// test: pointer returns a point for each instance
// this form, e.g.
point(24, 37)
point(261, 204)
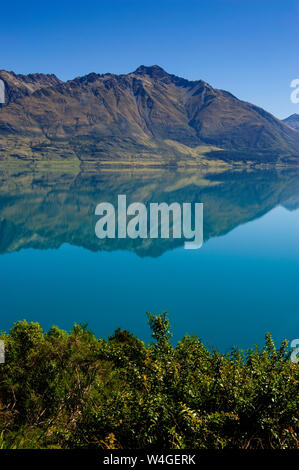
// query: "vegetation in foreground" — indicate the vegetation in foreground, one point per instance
point(60, 390)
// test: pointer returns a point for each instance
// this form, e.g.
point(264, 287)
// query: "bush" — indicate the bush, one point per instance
point(66, 390)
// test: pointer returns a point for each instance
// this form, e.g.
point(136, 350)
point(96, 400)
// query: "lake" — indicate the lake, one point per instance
point(241, 284)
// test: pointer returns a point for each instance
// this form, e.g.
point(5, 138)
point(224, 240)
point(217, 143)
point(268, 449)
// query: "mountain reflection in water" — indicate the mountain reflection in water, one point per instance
point(44, 209)
point(242, 283)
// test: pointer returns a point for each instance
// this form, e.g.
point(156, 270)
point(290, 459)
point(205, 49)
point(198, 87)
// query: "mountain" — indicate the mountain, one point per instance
point(145, 116)
point(19, 86)
point(292, 121)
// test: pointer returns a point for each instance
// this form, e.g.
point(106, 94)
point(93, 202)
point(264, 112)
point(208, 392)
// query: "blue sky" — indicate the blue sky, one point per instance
point(248, 47)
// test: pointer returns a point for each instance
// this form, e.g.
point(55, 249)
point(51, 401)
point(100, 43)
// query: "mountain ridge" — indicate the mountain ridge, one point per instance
point(107, 117)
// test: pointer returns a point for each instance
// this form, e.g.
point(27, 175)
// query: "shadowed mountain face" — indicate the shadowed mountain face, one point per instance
point(44, 209)
point(148, 115)
point(293, 121)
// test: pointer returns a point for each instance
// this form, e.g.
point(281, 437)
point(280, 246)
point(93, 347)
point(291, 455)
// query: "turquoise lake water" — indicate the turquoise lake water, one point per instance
point(242, 283)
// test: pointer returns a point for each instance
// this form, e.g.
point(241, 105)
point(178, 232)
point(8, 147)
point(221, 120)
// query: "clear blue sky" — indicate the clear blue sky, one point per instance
point(248, 47)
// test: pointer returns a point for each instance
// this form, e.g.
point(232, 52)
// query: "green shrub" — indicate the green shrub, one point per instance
point(65, 390)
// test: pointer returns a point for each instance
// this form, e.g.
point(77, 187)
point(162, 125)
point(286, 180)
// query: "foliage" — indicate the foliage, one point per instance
point(66, 390)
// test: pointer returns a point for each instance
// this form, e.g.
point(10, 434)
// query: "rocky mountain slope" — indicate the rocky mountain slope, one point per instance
point(146, 115)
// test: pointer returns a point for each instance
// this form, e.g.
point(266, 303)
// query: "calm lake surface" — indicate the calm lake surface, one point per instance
point(242, 283)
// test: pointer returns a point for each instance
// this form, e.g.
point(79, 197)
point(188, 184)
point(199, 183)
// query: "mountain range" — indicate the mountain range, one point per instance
point(147, 116)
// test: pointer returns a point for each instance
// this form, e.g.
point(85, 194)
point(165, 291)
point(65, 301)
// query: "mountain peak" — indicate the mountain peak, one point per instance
point(154, 71)
point(293, 121)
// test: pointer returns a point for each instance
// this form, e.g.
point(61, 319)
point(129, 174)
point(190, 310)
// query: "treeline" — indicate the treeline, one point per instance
point(70, 390)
